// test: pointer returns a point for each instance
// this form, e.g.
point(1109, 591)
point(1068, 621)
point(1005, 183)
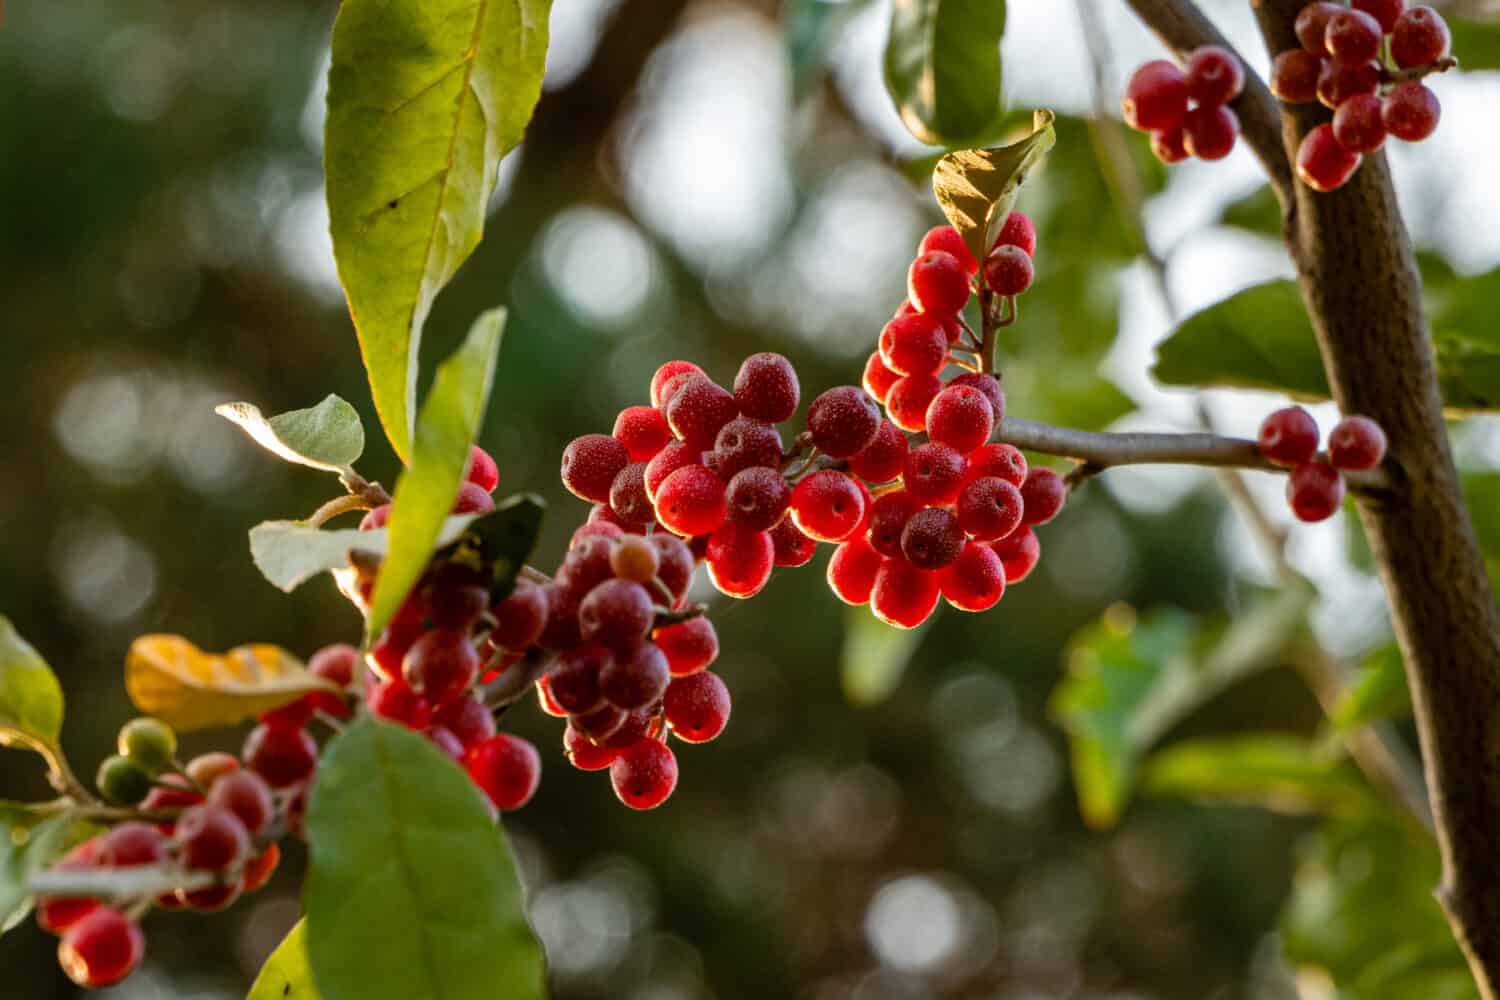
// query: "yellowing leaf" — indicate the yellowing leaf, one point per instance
point(175, 681)
point(977, 187)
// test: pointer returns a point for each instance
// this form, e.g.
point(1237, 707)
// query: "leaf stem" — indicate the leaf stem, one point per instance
point(337, 506)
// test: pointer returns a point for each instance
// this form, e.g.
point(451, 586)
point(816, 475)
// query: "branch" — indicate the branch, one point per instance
point(1183, 27)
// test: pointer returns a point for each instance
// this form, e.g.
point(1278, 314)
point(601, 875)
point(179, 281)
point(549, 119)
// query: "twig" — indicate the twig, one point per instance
point(338, 505)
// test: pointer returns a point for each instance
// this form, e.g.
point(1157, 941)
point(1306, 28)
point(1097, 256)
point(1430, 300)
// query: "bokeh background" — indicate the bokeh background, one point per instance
point(703, 179)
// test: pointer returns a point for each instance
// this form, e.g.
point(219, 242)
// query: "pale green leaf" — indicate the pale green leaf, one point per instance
point(29, 841)
point(327, 436)
point(977, 187)
point(31, 700)
point(1272, 770)
point(1378, 693)
point(874, 656)
point(286, 974)
point(289, 553)
point(424, 99)
point(942, 67)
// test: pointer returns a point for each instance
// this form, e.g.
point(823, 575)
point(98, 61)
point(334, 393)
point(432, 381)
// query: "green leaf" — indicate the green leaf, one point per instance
point(425, 492)
point(412, 890)
point(29, 841)
point(977, 187)
point(942, 67)
point(1378, 693)
point(1476, 42)
point(874, 656)
point(327, 436)
point(503, 540)
point(289, 553)
point(423, 101)
point(1362, 913)
point(1260, 338)
point(31, 700)
point(286, 974)
point(1129, 682)
point(1276, 771)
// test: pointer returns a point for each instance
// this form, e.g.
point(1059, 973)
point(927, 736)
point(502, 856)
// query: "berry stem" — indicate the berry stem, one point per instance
point(1417, 72)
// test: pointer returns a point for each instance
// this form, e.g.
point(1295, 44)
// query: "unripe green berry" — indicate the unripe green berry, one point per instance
point(149, 742)
point(122, 781)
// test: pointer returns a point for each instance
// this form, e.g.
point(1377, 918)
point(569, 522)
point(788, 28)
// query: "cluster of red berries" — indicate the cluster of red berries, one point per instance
point(1348, 56)
point(1315, 486)
point(224, 821)
point(1186, 111)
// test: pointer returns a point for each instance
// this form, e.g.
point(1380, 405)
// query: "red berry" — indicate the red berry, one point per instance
point(644, 775)
point(975, 581)
point(132, 843)
point(603, 521)
point(1411, 111)
point(740, 559)
point(909, 398)
point(1018, 231)
point(506, 768)
point(1311, 25)
point(1008, 270)
point(1357, 124)
point(1156, 97)
point(758, 498)
point(960, 417)
point(1337, 82)
point(1314, 490)
point(697, 707)
point(445, 741)
point(590, 464)
point(914, 345)
point(636, 727)
point(617, 614)
point(882, 459)
point(247, 796)
point(210, 900)
point(843, 420)
point(1169, 145)
point(162, 798)
point(938, 283)
point(665, 374)
point(948, 240)
point(1289, 436)
point(1019, 553)
point(888, 516)
point(211, 838)
point(584, 754)
point(600, 724)
point(482, 470)
point(1420, 38)
point(472, 499)
point(573, 680)
point(904, 596)
point(284, 756)
point(1356, 444)
point(1209, 132)
point(643, 431)
point(102, 948)
point(828, 506)
point(634, 558)
point(745, 443)
point(852, 569)
point(1322, 163)
point(336, 664)
point(55, 914)
point(636, 679)
point(689, 646)
point(291, 715)
point(691, 501)
point(441, 665)
point(667, 461)
point(766, 388)
point(878, 379)
point(1294, 76)
point(989, 508)
point(520, 618)
point(791, 546)
point(1214, 76)
point(1385, 12)
point(1352, 36)
point(698, 409)
point(259, 869)
point(1043, 495)
point(466, 718)
point(675, 569)
point(987, 384)
point(934, 473)
point(627, 496)
point(1003, 460)
point(932, 538)
point(561, 630)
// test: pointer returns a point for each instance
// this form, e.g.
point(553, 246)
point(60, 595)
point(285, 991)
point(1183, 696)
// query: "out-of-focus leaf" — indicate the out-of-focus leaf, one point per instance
point(1260, 338)
point(977, 187)
point(286, 974)
point(327, 436)
point(1272, 770)
point(1258, 211)
point(29, 842)
point(942, 67)
point(141, 882)
point(1379, 692)
point(1482, 491)
point(31, 700)
point(1363, 913)
point(289, 553)
point(1476, 43)
point(440, 453)
point(172, 679)
point(1130, 681)
point(412, 890)
point(812, 29)
point(423, 101)
point(874, 656)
